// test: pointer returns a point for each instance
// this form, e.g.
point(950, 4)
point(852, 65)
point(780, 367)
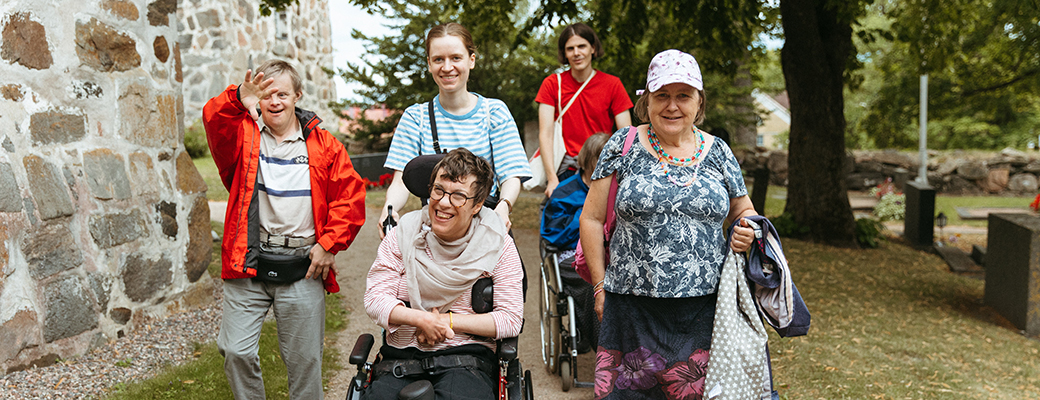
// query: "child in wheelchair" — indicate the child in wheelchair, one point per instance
point(560, 233)
point(420, 289)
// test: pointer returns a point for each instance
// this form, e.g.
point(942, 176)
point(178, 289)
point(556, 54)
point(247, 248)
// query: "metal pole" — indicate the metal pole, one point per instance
point(922, 172)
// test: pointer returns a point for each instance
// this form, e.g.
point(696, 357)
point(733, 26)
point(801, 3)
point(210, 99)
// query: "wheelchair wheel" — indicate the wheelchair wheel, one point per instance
point(566, 374)
point(549, 321)
point(528, 388)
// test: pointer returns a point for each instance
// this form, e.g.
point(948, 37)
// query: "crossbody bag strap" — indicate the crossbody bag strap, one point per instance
point(559, 86)
point(612, 193)
point(433, 130)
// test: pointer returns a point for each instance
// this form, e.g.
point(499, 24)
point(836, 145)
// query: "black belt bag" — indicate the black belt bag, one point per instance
point(281, 268)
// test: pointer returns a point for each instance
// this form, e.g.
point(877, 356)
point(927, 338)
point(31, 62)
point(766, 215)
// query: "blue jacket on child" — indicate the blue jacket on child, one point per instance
point(561, 213)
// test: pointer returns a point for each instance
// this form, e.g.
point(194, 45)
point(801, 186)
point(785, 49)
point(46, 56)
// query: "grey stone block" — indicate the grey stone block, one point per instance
point(56, 127)
point(10, 198)
point(114, 229)
point(143, 278)
point(101, 285)
point(8, 144)
point(1013, 269)
point(69, 310)
point(106, 174)
point(120, 315)
point(51, 250)
point(200, 243)
point(48, 188)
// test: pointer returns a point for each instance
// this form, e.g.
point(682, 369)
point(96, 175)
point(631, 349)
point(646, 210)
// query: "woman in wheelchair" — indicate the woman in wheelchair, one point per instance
point(419, 288)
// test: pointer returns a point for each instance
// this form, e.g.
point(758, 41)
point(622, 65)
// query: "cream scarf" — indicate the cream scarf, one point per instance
point(438, 281)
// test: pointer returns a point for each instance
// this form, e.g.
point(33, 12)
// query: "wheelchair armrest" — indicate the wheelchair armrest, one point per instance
point(507, 349)
point(363, 346)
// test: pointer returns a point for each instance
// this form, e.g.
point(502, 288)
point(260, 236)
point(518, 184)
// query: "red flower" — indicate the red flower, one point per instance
point(685, 380)
point(1036, 204)
point(606, 362)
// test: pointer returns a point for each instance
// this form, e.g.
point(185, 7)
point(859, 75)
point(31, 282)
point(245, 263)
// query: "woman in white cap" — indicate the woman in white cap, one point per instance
point(678, 190)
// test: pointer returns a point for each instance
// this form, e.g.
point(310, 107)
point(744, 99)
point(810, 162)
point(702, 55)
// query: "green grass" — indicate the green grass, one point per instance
point(948, 205)
point(215, 189)
point(203, 378)
point(893, 323)
point(777, 199)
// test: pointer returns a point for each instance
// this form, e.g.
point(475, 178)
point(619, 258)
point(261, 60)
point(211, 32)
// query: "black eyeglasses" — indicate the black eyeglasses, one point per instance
point(457, 199)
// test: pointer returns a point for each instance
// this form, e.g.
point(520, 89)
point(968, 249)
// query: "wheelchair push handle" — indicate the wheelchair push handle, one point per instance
point(389, 222)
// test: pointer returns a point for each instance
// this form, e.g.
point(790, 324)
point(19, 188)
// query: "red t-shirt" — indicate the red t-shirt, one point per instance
point(593, 111)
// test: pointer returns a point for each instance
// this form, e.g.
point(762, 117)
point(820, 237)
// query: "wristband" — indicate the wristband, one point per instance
point(451, 321)
point(597, 292)
point(510, 205)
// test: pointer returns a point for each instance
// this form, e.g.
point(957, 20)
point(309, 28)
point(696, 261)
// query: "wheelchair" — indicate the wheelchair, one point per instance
point(512, 385)
point(560, 324)
point(513, 382)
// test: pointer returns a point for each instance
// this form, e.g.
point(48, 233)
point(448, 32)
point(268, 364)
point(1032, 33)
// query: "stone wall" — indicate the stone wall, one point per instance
point(103, 218)
point(1007, 172)
point(220, 39)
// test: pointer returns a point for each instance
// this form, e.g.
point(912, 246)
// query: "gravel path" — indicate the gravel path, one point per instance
point(137, 356)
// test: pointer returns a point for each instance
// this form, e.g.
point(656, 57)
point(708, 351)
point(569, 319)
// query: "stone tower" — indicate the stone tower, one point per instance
point(103, 217)
point(222, 38)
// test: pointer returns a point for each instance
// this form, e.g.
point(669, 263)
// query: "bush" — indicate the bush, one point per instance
point(891, 207)
point(195, 140)
point(786, 227)
point(868, 232)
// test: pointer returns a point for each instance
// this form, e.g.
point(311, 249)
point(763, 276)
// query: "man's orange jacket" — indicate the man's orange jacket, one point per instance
point(337, 191)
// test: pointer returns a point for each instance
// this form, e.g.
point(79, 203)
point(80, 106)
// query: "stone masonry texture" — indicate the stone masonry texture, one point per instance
point(106, 222)
point(25, 42)
point(69, 311)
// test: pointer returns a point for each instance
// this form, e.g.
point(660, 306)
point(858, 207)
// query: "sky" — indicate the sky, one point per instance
point(345, 17)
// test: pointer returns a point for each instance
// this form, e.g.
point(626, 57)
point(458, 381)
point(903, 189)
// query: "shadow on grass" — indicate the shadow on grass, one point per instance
point(893, 322)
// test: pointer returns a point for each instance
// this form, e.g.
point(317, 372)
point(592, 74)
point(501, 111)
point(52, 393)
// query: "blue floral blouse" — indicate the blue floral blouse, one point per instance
point(669, 240)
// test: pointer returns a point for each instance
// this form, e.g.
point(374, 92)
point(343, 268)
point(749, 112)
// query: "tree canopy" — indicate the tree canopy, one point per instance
point(983, 64)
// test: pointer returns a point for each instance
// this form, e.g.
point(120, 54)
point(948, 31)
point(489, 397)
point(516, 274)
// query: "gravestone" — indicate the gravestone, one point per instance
point(1013, 269)
point(920, 214)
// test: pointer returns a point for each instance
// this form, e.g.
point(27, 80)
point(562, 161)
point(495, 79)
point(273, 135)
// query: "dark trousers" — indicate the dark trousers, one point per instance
point(453, 383)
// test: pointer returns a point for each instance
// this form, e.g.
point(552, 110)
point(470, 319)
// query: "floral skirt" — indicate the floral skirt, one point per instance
point(654, 348)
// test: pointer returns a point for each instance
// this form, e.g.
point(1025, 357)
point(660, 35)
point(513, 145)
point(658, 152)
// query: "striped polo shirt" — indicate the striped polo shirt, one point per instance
point(488, 130)
point(284, 185)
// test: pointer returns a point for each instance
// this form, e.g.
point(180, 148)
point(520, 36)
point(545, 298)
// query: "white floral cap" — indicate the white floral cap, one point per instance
point(673, 66)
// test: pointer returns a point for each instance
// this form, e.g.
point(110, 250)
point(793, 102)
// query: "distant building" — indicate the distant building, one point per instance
point(376, 113)
point(774, 119)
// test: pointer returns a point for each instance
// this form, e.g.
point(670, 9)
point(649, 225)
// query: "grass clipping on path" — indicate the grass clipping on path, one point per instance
point(893, 323)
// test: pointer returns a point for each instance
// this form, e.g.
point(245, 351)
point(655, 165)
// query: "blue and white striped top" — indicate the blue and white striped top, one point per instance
point(284, 185)
point(488, 125)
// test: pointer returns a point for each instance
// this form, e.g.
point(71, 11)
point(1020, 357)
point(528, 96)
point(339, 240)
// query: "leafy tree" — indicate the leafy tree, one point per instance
point(984, 74)
point(510, 66)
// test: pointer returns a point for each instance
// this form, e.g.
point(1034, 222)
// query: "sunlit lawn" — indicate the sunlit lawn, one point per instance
point(215, 189)
point(893, 323)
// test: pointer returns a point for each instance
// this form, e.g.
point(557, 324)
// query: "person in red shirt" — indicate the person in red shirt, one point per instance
point(601, 106)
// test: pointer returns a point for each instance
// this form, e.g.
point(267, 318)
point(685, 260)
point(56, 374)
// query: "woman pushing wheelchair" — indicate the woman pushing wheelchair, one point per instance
point(420, 286)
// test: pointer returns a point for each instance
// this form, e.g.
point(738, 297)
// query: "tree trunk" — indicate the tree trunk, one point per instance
point(818, 44)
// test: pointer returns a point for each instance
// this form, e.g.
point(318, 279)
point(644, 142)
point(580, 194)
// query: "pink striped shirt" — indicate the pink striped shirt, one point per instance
point(387, 288)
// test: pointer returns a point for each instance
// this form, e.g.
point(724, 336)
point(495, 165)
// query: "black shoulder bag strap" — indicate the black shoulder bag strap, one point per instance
point(433, 130)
